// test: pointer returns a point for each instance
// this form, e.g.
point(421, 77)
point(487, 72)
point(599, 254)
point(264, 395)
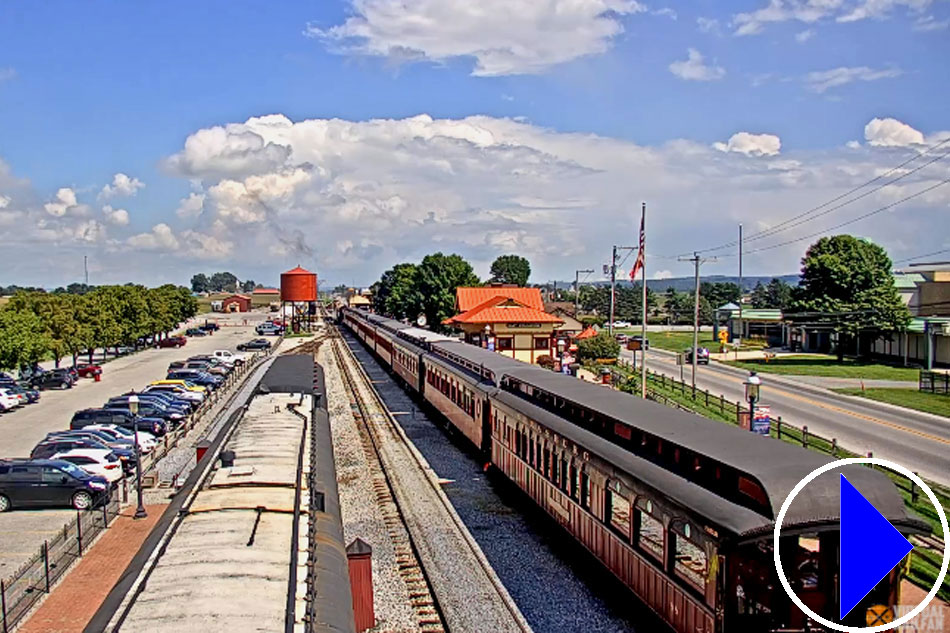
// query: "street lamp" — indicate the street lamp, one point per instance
point(487, 334)
point(752, 386)
point(134, 410)
point(561, 344)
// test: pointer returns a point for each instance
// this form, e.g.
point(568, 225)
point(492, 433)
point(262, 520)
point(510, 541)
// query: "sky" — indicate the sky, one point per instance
point(163, 139)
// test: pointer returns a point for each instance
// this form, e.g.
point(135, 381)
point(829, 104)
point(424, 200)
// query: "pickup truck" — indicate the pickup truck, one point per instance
point(228, 357)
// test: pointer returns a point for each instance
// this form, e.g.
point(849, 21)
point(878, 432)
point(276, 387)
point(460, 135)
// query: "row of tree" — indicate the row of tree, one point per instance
point(38, 325)
point(221, 282)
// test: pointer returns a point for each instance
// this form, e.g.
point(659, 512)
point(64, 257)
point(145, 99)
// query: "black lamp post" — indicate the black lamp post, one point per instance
point(752, 386)
point(134, 409)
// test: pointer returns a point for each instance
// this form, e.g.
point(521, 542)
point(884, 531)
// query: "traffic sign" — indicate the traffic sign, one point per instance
point(870, 547)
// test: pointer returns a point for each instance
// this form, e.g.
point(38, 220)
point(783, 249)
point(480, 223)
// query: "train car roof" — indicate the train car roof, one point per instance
point(392, 324)
point(777, 466)
point(494, 362)
point(424, 335)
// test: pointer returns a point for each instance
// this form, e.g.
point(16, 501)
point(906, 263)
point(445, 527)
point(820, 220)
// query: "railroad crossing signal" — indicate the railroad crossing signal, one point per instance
point(723, 336)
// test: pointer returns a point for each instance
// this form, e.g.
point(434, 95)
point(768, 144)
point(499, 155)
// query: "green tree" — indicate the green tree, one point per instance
point(23, 339)
point(224, 282)
point(776, 294)
point(847, 281)
point(200, 283)
point(248, 286)
point(601, 346)
point(439, 276)
point(397, 294)
point(510, 269)
point(720, 293)
point(57, 312)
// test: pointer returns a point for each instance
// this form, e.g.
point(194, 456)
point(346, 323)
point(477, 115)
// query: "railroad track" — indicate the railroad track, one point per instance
point(450, 582)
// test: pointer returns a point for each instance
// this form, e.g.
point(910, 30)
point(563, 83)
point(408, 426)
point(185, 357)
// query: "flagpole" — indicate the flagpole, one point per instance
point(643, 330)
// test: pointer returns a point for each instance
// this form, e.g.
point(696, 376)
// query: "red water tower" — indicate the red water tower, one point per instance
point(298, 285)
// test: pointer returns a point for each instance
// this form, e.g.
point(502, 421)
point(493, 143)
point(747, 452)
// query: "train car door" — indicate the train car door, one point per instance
point(482, 409)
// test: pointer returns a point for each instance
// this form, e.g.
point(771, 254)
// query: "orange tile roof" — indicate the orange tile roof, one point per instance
point(468, 298)
point(266, 291)
point(491, 311)
point(589, 332)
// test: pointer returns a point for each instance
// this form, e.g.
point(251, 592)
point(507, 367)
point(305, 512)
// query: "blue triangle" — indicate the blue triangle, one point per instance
point(870, 547)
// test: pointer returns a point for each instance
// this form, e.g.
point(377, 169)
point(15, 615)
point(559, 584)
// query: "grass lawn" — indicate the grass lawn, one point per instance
point(674, 341)
point(935, 403)
point(828, 366)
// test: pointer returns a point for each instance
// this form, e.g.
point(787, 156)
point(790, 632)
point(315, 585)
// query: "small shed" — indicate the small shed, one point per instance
point(236, 303)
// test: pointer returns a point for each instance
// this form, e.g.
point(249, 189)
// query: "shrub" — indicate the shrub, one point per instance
point(546, 361)
point(601, 346)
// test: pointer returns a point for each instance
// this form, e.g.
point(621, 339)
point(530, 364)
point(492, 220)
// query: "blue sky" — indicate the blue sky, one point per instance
point(607, 101)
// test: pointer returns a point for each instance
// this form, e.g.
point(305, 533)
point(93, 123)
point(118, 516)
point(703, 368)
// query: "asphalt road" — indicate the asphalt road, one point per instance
point(915, 440)
point(22, 531)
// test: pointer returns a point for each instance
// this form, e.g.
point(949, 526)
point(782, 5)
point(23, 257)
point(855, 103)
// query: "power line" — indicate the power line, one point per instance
point(779, 227)
point(907, 259)
point(853, 220)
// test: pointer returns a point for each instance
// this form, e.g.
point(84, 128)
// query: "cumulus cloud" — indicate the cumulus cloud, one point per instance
point(90, 231)
point(812, 11)
point(891, 133)
point(5, 202)
point(823, 80)
point(191, 206)
point(803, 36)
point(119, 217)
point(504, 37)
point(64, 201)
point(708, 25)
point(693, 68)
point(161, 237)
point(122, 185)
point(751, 144)
point(928, 23)
point(665, 12)
point(6, 74)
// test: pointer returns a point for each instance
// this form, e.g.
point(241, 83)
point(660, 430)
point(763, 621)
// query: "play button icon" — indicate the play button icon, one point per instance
point(870, 547)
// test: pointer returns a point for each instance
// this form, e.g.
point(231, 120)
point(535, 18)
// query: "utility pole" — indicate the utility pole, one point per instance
point(85, 267)
point(741, 292)
point(577, 288)
point(697, 260)
point(613, 282)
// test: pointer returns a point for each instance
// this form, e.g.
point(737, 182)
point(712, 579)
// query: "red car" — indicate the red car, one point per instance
point(87, 370)
point(172, 341)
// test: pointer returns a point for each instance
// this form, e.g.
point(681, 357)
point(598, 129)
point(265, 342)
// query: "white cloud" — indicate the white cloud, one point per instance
point(504, 37)
point(5, 202)
point(661, 274)
point(90, 231)
point(693, 68)
point(853, 145)
point(812, 11)
point(751, 144)
point(191, 206)
point(122, 185)
point(64, 201)
point(891, 133)
point(161, 237)
point(708, 25)
point(119, 217)
point(821, 81)
point(928, 23)
point(803, 36)
point(8, 73)
point(665, 12)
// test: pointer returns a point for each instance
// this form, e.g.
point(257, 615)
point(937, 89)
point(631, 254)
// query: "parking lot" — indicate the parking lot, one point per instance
point(22, 532)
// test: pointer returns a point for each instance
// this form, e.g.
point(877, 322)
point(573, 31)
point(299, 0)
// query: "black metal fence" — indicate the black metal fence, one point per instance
point(21, 591)
point(934, 382)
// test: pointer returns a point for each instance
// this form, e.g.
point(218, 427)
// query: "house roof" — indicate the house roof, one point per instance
point(467, 298)
point(589, 332)
point(760, 314)
point(266, 291)
point(229, 297)
point(908, 281)
point(501, 309)
point(917, 324)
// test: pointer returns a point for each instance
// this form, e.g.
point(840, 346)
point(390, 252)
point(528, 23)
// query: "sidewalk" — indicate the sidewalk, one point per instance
point(73, 602)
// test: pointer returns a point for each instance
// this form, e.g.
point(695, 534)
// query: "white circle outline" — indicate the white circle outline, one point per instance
point(807, 480)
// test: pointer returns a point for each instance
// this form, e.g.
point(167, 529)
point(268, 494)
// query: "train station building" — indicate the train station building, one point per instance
point(506, 319)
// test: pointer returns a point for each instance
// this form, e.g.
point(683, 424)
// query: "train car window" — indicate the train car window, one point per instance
point(690, 562)
point(754, 491)
point(537, 452)
point(547, 462)
point(531, 451)
point(554, 470)
point(585, 490)
point(575, 480)
point(650, 532)
point(618, 506)
point(564, 475)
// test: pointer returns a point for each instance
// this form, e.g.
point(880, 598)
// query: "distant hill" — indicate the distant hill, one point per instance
point(686, 284)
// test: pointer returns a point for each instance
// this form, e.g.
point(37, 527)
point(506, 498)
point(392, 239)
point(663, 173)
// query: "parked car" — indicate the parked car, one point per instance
point(176, 364)
point(26, 395)
point(179, 391)
point(269, 328)
point(170, 400)
point(92, 434)
point(124, 350)
point(33, 483)
point(88, 370)
point(621, 324)
point(94, 461)
point(228, 357)
point(194, 331)
point(702, 356)
point(51, 380)
point(118, 417)
point(148, 409)
point(622, 338)
point(147, 441)
point(48, 447)
point(172, 341)
point(254, 345)
point(210, 326)
point(203, 365)
point(8, 400)
point(182, 383)
point(201, 378)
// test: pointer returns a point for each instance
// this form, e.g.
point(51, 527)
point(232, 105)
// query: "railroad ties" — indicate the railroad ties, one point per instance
point(450, 584)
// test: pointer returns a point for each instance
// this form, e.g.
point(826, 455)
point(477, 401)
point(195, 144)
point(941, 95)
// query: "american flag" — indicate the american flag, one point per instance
point(637, 265)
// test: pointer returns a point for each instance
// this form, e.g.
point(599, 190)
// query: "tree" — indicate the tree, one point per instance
point(224, 282)
point(511, 269)
point(200, 283)
point(720, 293)
point(397, 294)
point(439, 276)
point(601, 346)
point(22, 338)
point(847, 281)
point(776, 295)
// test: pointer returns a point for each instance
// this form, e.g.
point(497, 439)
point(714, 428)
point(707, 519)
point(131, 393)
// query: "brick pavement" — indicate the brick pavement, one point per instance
point(73, 602)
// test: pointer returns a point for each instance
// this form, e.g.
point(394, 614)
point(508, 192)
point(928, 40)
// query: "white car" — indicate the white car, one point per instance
point(621, 324)
point(147, 441)
point(8, 400)
point(95, 461)
point(228, 357)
